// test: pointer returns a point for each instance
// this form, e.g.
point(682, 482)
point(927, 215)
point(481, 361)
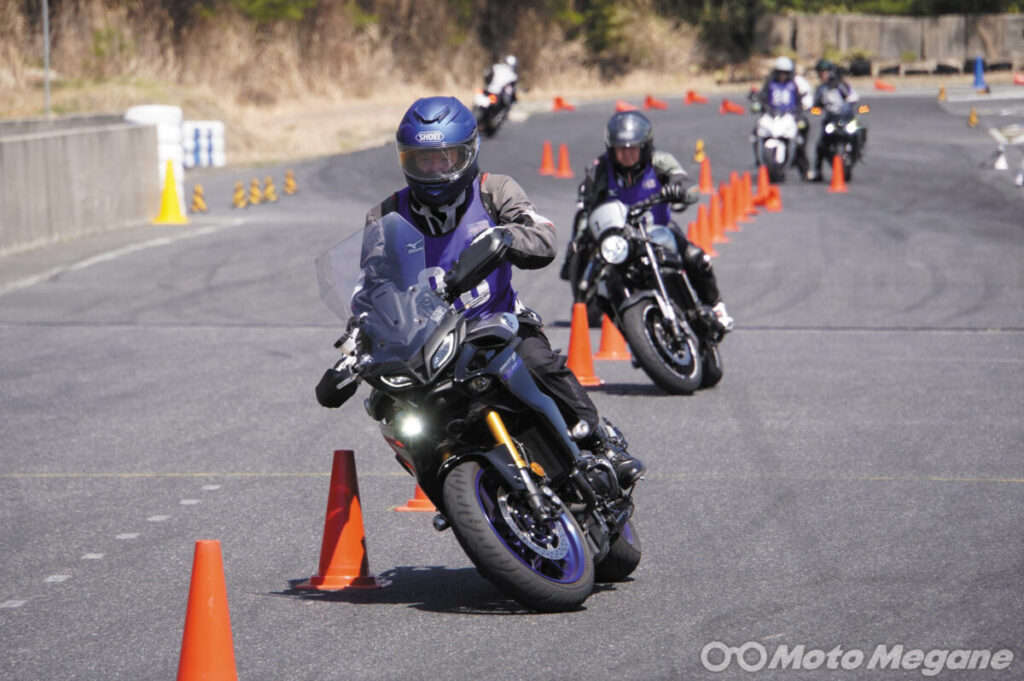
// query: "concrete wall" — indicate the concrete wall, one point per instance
point(64, 181)
point(951, 38)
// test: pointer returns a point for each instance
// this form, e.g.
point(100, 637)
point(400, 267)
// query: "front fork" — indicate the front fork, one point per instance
point(534, 497)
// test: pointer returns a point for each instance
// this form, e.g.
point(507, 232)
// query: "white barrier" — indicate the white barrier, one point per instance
point(203, 144)
point(168, 121)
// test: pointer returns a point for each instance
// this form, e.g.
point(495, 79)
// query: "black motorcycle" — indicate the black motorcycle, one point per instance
point(539, 517)
point(842, 135)
point(630, 269)
point(490, 110)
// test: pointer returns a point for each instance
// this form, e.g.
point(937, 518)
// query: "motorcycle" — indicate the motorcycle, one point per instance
point(843, 135)
point(490, 110)
point(775, 139)
point(539, 517)
point(631, 270)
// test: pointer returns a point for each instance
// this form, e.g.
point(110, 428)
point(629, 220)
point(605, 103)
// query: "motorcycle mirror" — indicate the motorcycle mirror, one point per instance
point(477, 261)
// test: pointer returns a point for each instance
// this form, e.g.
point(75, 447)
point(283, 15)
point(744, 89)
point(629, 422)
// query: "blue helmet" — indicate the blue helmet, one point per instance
point(438, 145)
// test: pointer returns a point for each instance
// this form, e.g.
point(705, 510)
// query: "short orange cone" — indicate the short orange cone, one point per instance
point(547, 160)
point(1018, 79)
point(651, 102)
point(207, 650)
point(562, 105)
point(624, 106)
point(613, 345)
point(343, 560)
point(882, 85)
point(693, 98)
point(706, 185)
point(564, 167)
point(773, 204)
point(728, 107)
point(419, 502)
point(838, 185)
point(580, 361)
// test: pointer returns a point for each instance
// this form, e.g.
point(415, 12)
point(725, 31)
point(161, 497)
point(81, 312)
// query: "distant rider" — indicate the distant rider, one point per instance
point(631, 170)
point(787, 92)
point(452, 203)
point(832, 96)
point(502, 79)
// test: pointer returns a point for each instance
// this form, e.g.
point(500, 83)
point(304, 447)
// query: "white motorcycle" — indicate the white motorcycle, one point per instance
point(775, 140)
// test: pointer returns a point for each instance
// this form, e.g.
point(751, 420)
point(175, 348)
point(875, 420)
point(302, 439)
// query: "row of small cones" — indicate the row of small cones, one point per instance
point(207, 649)
point(650, 102)
point(256, 196)
point(170, 206)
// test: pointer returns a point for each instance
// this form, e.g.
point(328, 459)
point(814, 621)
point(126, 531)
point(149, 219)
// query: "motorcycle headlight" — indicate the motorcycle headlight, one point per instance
point(614, 249)
point(830, 128)
point(444, 352)
point(410, 425)
point(851, 127)
point(397, 380)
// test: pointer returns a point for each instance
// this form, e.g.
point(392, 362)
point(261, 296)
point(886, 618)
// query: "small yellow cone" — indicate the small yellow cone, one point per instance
point(170, 209)
point(972, 120)
point(198, 200)
point(289, 183)
point(942, 93)
point(255, 194)
point(269, 192)
point(699, 154)
point(238, 201)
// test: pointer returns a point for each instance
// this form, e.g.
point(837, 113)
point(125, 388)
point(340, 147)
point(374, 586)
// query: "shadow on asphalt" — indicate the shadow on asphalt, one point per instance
point(431, 588)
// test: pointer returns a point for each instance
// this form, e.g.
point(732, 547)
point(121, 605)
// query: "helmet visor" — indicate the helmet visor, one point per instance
point(437, 164)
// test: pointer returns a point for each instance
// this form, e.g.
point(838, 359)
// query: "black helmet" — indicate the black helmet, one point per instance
point(629, 129)
point(825, 65)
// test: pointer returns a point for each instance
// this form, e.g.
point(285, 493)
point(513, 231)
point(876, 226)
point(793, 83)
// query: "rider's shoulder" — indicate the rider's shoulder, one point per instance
point(388, 205)
point(665, 163)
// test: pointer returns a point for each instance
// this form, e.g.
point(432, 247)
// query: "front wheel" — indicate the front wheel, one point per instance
point(544, 566)
point(672, 362)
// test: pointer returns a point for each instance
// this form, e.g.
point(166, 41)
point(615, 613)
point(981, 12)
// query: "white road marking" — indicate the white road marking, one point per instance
point(189, 502)
point(157, 518)
point(12, 604)
point(93, 556)
point(127, 535)
point(210, 488)
point(53, 579)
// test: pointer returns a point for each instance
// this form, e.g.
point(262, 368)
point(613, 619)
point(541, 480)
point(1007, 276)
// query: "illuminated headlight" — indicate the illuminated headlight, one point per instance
point(614, 249)
point(410, 425)
point(480, 384)
point(830, 128)
point(444, 352)
point(397, 380)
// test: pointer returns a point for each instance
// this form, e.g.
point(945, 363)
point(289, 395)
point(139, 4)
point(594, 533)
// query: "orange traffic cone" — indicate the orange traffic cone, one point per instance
point(580, 361)
point(419, 502)
point(838, 185)
point(704, 237)
point(564, 168)
point(882, 85)
point(207, 651)
point(717, 226)
point(613, 345)
point(693, 98)
point(1018, 79)
point(748, 195)
point(728, 205)
point(764, 186)
point(547, 160)
point(728, 107)
point(773, 204)
point(343, 560)
point(562, 105)
point(739, 212)
point(624, 106)
point(706, 185)
point(651, 102)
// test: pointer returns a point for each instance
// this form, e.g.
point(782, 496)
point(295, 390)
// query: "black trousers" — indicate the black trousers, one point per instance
point(553, 376)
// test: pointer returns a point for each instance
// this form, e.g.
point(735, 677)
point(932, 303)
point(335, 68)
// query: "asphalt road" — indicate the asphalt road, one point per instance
point(854, 481)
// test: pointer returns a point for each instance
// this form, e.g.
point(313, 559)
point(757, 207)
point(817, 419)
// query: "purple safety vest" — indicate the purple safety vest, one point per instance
point(646, 187)
point(495, 293)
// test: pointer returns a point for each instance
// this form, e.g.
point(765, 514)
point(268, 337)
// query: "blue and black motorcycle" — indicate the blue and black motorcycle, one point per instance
point(539, 517)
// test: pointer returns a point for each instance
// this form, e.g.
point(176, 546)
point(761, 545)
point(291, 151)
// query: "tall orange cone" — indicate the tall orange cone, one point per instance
point(580, 361)
point(717, 226)
point(170, 207)
point(728, 205)
point(706, 185)
point(547, 160)
point(748, 195)
point(651, 102)
point(613, 345)
point(343, 560)
point(207, 650)
point(704, 237)
point(739, 212)
point(624, 106)
point(419, 502)
point(693, 98)
point(838, 185)
point(564, 168)
point(764, 186)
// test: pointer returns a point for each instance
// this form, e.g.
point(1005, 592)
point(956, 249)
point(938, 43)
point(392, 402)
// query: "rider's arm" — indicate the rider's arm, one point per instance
point(671, 173)
point(849, 93)
point(533, 235)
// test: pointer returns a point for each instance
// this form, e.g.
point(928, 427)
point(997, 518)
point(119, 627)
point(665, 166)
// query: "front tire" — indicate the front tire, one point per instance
point(546, 568)
point(673, 365)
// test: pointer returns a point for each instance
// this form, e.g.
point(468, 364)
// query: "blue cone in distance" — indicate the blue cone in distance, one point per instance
point(979, 74)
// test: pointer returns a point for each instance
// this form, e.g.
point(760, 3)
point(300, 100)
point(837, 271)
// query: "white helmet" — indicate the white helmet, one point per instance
point(784, 64)
point(512, 61)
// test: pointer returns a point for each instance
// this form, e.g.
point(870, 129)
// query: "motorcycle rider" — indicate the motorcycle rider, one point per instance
point(788, 92)
point(451, 202)
point(502, 78)
point(831, 95)
point(631, 170)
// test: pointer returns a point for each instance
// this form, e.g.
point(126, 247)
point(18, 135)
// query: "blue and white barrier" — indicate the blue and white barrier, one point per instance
point(203, 144)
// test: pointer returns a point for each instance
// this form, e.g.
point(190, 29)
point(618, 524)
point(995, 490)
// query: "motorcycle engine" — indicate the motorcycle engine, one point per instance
point(601, 476)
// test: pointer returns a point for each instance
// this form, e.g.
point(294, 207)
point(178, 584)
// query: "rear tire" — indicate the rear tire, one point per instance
point(549, 569)
point(711, 358)
point(672, 369)
point(623, 556)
